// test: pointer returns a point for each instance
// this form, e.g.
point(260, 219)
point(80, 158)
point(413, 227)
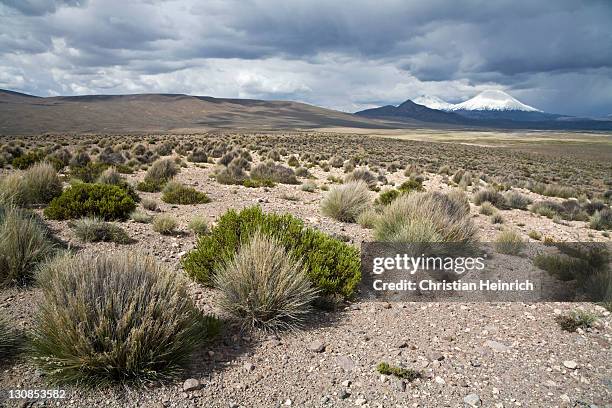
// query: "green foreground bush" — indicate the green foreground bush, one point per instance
point(177, 193)
point(264, 286)
point(114, 318)
point(87, 200)
point(332, 266)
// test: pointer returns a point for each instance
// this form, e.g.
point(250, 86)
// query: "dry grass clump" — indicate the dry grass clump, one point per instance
point(93, 229)
point(264, 286)
point(425, 217)
point(491, 195)
point(198, 225)
point(160, 172)
point(38, 184)
point(234, 173)
point(486, 208)
point(552, 190)
point(140, 217)
point(274, 172)
point(114, 318)
point(514, 199)
point(24, 244)
point(345, 202)
point(362, 174)
point(497, 218)
point(149, 204)
point(509, 242)
point(368, 218)
point(9, 339)
point(177, 193)
point(165, 224)
point(601, 219)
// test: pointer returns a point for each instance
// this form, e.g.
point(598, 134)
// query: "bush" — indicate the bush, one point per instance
point(24, 244)
point(514, 199)
point(425, 217)
point(553, 190)
point(264, 286)
point(275, 172)
point(331, 265)
point(345, 202)
point(234, 173)
point(88, 172)
point(87, 200)
point(27, 160)
point(535, 235)
point(165, 224)
point(198, 225)
point(497, 218)
point(509, 242)
point(92, 229)
point(309, 187)
point(387, 196)
point(114, 318)
point(159, 174)
point(112, 177)
point(576, 319)
point(546, 208)
point(491, 195)
point(601, 220)
point(198, 156)
point(177, 193)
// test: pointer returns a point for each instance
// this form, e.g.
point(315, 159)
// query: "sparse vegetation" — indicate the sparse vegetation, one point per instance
point(177, 193)
point(165, 224)
point(509, 242)
point(198, 225)
point(399, 372)
point(92, 229)
point(576, 319)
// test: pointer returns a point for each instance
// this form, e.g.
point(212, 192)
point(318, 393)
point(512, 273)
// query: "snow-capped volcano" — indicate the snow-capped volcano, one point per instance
point(490, 100)
point(433, 102)
point(493, 100)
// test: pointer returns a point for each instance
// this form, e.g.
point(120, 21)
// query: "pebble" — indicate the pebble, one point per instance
point(345, 363)
point(497, 346)
point(360, 401)
point(191, 384)
point(317, 346)
point(571, 364)
point(472, 400)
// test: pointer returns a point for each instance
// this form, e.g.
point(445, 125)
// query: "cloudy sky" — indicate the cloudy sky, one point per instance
point(555, 55)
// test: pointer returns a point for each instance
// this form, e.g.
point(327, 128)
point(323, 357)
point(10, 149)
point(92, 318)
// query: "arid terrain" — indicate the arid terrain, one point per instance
point(540, 188)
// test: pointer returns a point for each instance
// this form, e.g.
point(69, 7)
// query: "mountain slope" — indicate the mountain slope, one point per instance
point(412, 111)
point(26, 114)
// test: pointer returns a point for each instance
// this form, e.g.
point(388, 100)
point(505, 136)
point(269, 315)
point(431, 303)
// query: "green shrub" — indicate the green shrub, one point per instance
point(86, 200)
point(576, 319)
point(113, 177)
point(403, 373)
point(114, 318)
point(345, 202)
point(257, 183)
point(27, 160)
point(332, 266)
point(386, 197)
point(198, 225)
point(491, 195)
point(24, 244)
point(535, 235)
point(88, 172)
point(264, 286)
point(509, 242)
point(177, 193)
point(92, 229)
point(165, 224)
point(411, 185)
point(425, 217)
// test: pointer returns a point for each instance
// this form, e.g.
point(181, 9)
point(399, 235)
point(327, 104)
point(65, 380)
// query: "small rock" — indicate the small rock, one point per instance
point(360, 401)
point(565, 398)
point(191, 384)
point(317, 346)
point(288, 402)
point(571, 364)
point(439, 380)
point(402, 344)
point(345, 363)
point(344, 394)
point(249, 367)
point(472, 400)
point(325, 399)
point(346, 383)
point(497, 346)
point(400, 385)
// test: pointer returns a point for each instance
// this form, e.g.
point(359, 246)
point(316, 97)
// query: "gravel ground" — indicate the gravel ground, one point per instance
point(470, 354)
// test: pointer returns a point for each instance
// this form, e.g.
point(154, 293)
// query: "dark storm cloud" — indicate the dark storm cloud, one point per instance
point(339, 54)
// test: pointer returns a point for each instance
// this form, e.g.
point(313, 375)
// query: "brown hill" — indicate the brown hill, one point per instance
point(25, 114)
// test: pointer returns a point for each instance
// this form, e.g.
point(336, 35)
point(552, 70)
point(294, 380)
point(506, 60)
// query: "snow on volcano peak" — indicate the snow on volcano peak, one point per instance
point(493, 100)
point(433, 102)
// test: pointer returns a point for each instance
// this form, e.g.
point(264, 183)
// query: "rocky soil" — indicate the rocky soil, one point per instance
point(470, 354)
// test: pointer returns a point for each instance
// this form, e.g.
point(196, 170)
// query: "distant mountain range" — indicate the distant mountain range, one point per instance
point(22, 114)
point(491, 108)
